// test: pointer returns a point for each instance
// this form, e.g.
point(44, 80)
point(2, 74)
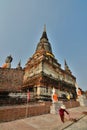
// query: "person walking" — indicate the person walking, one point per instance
point(62, 112)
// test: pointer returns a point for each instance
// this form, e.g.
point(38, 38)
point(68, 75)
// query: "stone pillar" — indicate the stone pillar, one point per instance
point(53, 91)
point(38, 90)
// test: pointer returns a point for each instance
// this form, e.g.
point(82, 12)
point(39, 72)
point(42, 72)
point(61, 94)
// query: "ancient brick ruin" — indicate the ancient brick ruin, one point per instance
point(40, 75)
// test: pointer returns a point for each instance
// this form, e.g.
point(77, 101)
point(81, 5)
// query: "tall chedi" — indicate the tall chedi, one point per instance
point(43, 72)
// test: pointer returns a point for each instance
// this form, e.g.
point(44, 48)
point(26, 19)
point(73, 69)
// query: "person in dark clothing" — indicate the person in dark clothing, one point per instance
point(61, 112)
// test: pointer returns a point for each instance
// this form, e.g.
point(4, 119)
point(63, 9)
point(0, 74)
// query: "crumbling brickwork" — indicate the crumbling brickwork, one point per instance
point(11, 79)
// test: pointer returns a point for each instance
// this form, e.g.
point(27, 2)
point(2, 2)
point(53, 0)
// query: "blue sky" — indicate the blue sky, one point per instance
point(21, 26)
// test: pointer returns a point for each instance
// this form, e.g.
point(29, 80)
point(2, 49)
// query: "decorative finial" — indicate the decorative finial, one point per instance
point(44, 27)
point(19, 65)
point(66, 67)
point(44, 34)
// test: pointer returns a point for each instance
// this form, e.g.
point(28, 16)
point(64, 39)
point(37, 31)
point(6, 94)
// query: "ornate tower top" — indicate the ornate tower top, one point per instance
point(44, 34)
point(19, 65)
point(44, 43)
point(66, 67)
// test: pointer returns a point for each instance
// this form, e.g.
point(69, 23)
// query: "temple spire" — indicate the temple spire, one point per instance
point(19, 65)
point(66, 67)
point(44, 34)
point(44, 44)
point(44, 27)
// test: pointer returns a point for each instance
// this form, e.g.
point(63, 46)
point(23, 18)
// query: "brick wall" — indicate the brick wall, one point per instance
point(17, 112)
point(11, 79)
point(9, 113)
point(71, 104)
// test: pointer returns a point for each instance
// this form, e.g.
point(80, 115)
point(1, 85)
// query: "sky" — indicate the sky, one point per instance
point(22, 23)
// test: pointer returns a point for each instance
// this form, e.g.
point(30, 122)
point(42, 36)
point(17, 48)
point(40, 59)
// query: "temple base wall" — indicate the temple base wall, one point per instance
point(9, 113)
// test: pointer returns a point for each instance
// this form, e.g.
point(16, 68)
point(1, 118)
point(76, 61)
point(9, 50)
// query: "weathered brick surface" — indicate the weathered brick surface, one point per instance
point(71, 104)
point(17, 112)
point(11, 79)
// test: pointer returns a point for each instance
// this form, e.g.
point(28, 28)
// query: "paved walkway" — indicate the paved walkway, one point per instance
point(80, 125)
point(49, 122)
